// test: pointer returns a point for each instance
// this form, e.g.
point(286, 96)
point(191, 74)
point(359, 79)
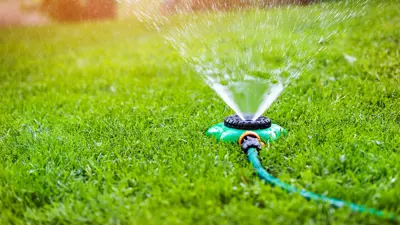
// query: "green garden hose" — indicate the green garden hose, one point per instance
point(251, 134)
point(252, 155)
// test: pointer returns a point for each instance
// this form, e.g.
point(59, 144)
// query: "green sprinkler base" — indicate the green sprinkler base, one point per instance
point(226, 134)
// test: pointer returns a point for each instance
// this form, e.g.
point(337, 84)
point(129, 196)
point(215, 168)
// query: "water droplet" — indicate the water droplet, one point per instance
point(342, 158)
point(350, 59)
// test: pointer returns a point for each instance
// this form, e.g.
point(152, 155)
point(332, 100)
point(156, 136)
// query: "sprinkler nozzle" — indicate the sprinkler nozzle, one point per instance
point(234, 127)
point(236, 122)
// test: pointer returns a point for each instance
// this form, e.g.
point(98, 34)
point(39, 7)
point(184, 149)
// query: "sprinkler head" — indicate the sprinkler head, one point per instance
point(233, 127)
point(236, 122)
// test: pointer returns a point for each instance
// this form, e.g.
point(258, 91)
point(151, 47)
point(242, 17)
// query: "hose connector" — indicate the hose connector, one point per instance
point(250, 139)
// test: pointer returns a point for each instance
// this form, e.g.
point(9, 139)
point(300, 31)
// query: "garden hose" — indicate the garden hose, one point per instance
point(251, 144)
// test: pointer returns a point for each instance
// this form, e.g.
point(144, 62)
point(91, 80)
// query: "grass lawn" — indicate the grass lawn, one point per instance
point(104, 123)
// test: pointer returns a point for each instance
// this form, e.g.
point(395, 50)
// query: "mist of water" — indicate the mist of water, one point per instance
point(248, 56)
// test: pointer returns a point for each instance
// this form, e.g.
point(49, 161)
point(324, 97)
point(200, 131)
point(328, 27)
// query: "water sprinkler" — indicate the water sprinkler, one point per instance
point(233, 127)
point(251, 136)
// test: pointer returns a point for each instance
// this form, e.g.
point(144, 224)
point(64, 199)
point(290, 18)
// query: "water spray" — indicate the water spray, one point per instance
point(252, 135)
point(248, 57)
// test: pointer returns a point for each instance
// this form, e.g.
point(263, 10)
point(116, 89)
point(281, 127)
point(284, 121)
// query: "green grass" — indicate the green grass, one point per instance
point(103, 123)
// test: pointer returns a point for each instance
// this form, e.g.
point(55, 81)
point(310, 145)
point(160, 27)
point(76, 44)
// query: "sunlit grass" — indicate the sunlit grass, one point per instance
point(103, 123)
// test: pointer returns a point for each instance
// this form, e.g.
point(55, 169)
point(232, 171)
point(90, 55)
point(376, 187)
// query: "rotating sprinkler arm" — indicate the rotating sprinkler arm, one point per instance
point(251, 144)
